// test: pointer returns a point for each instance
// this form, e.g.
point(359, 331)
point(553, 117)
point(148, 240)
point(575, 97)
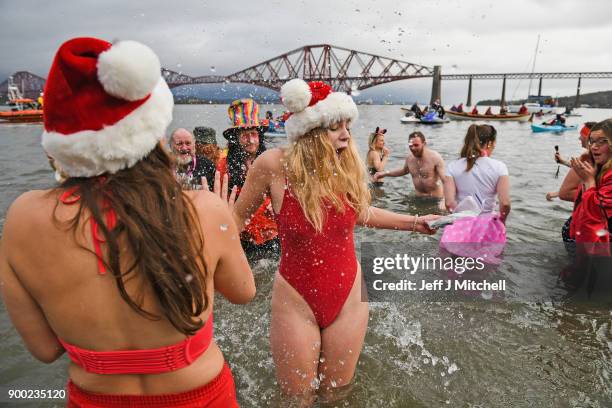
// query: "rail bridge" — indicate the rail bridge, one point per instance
point(350, 70)
point(345, 70)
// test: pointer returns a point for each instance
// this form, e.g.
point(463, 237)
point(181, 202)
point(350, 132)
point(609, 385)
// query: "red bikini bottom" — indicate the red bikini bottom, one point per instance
point(218, 393)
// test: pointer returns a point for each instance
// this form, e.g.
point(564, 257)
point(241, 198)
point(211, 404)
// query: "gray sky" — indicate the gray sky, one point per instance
point(463, 36)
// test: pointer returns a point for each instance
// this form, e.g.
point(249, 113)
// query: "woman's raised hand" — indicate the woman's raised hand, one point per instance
point(584, 169)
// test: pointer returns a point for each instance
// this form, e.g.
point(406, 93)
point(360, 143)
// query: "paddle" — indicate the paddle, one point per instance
point(557, 160)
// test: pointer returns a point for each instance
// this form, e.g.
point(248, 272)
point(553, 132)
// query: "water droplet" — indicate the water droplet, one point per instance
point(333, 384)
point(188, 277)
point(322, 360)
point(179, 65)
point(223, 227)
point(315, 383)
point(601, 233)
point(452, 368)
point(212, 68)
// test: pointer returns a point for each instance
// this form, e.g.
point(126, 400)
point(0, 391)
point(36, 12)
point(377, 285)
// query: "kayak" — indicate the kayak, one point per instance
point(551, 128)
point(433, 121)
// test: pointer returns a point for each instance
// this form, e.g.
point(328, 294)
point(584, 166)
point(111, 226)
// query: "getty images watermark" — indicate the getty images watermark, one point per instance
point(518, 272)
point(412, 265)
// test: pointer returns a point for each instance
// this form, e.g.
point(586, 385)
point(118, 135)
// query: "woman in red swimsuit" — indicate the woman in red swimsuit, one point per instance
point(117, 266)
point(319, 193)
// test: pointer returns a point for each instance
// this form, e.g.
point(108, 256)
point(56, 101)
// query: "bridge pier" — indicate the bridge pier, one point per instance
point(577, 101)
point(436, 84)
point(469, 98)
point(540, 87)
point(503, 95)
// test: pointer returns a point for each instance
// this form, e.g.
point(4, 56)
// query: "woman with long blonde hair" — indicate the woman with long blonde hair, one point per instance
point(378, 153)
point(319, 191)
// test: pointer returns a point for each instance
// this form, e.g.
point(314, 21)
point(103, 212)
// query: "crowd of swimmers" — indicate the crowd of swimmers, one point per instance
point(141, 237)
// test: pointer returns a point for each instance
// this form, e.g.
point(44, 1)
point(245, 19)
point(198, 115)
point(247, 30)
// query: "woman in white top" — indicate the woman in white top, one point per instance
point(484, 179)
point(478, 175)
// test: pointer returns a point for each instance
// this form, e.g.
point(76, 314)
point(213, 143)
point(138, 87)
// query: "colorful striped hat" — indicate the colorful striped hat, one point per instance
point(243, 114)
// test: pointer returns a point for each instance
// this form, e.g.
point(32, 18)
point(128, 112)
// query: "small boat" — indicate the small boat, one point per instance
point(517, 117)
point(432, 118)
point(22, 109)
point(551, 128)
point(533, 107)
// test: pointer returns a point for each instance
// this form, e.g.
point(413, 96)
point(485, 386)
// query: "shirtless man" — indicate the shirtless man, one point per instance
point(425, 165)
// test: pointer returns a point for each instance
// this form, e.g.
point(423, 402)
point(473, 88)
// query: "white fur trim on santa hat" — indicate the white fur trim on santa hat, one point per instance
point(296, 95)
point(90, 153)
point(128, 70)
point(336, 107)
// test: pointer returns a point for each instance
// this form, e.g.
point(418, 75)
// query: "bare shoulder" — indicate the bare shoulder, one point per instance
point(435, 156)
point(28, 216)
point(31, 206)
point(271, 161)
point(208, 205)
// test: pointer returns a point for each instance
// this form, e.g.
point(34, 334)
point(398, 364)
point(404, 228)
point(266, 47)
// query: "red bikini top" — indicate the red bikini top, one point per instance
point(145, 361)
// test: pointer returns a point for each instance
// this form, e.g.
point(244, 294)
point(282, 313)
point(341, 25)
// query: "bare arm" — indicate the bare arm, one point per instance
point(232, 274)
point(384, 219)
point(377, 163)
point(393, 173)
point(24, 311)
point(503, 193)
point(569, 187)
point(450, 193)
point(256, 186)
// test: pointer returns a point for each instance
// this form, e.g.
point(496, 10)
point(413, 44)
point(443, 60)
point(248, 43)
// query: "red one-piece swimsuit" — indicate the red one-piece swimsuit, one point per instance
point(321, 266)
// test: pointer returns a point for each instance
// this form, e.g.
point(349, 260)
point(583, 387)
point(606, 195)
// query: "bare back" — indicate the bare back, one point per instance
point(85, 308)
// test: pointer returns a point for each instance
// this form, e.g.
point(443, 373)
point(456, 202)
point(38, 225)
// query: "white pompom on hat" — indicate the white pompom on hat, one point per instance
point(128, 70)
point(313, 105)
point(106, 106)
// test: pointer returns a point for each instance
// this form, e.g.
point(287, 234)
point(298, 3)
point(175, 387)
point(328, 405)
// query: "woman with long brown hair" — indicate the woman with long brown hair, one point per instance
point(319, 192)
point(478, 178)
point(592, 215)
point(117, 266)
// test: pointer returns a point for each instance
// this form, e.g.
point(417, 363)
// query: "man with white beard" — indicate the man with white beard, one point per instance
point(190, 167)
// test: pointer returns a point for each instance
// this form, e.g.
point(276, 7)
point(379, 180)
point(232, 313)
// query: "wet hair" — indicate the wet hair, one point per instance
point(236, 158)
point(604, 126)
point(159, 227)
point(476, 138)
point(417, 134)
point(318, 175)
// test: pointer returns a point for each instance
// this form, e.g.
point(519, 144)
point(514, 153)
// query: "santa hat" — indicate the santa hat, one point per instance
point(106, 106)
point(314, 105)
